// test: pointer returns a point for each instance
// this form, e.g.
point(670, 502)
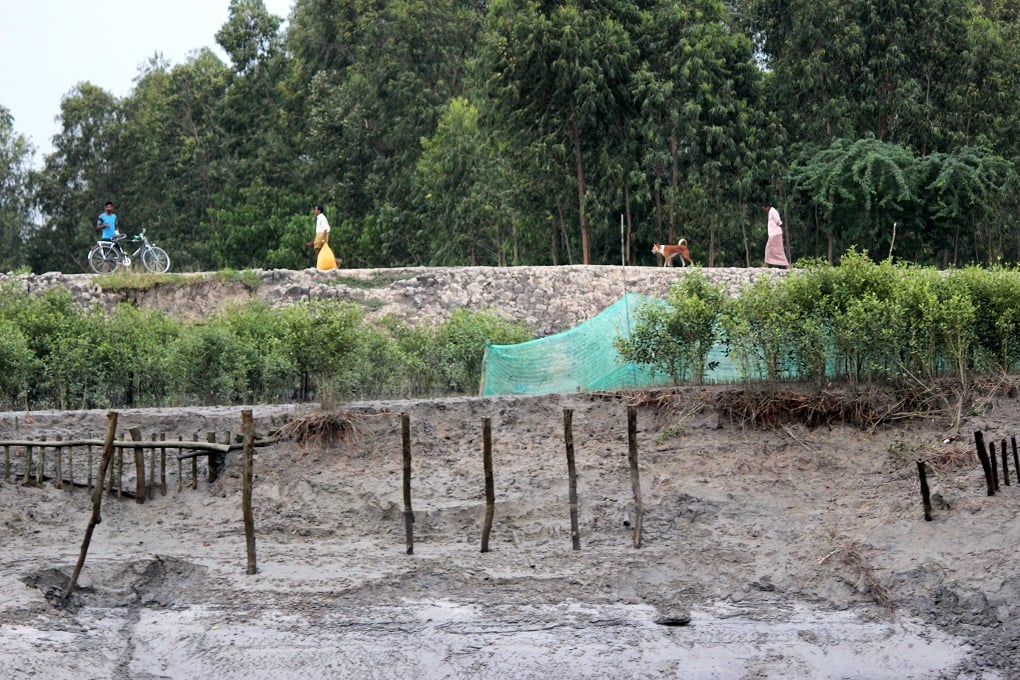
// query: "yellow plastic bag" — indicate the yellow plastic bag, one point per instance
point(326, 259)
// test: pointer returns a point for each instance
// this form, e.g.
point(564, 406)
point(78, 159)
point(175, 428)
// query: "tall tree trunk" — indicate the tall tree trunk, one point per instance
point(552, 235)
point(674, 183)
point(581, 191)
point(630, 225)
point(565, 235)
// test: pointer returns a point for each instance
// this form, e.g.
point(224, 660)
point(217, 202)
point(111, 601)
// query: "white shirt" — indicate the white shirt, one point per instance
point(775, 224)
point(321, 224)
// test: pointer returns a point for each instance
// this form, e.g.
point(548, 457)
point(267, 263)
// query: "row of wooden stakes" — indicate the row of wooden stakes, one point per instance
point(989, 463)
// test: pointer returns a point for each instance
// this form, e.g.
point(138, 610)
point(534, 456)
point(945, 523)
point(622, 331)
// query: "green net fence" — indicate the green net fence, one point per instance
point(583, 358)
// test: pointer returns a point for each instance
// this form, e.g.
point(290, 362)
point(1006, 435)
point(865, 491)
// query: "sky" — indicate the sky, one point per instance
point(47, 47)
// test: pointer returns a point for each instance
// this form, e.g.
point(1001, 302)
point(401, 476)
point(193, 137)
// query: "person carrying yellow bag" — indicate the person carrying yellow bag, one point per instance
point(324, 258)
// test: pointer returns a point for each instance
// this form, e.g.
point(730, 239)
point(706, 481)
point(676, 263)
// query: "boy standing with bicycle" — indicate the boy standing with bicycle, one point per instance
point(107, 222)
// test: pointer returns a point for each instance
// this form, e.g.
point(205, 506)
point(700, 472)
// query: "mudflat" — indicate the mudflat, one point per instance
point(772, 546)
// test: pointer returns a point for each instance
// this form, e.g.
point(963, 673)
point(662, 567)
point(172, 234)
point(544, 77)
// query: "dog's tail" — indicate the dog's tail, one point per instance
point(682, 242)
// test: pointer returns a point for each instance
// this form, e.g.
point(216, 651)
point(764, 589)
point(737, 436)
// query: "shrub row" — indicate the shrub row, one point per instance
point(861, 322)
point(53, 354)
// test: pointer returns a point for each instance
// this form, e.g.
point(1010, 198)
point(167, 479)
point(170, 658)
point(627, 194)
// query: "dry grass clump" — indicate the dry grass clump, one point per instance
point(852, 556)
point(321, 428)
point(954, 458)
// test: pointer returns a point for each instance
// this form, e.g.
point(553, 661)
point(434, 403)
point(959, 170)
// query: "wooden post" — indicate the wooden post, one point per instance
point(7, 463)
point(248, 428)
point(925, 493)
point(97, 500)
point(490, 489)
point(28, 466)
point(1016, 459)
point(995, 465)
point(162, 465)
point(136, 435)
point(405, 431)
point(979, 441)
point(568, 440)
point(213, 460)
point(120, 470)
point(1005, 462)
point(58, 466)
point(70, 466)
point(150, 490)
point(180, 465)
point(635, 480)
point(88, 464)
point(40, 470)
point(194, 469)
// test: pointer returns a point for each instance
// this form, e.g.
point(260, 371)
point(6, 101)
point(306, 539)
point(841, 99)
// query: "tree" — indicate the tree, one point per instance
point(457, 193)
point(862, 187)
point(77, 177)
point(15, 212)
point(366, 120)
point(563, 70)
point(962, 190)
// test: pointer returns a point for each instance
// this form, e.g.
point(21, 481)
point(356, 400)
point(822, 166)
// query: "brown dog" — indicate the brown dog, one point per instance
point(669, 252)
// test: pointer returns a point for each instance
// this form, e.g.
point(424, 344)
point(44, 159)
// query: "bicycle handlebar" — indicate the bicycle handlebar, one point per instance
point(140, 236)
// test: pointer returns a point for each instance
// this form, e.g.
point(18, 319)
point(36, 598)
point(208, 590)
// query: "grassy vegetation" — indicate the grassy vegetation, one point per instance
point(378, 279)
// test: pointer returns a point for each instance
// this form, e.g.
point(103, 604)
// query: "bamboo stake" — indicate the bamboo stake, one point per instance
point(97, 500)
point(405, 432)
point(994, 463)
point(119, 471)
point(58, 466)
point(925, 493)
point(635, 480)
point(150, 490)
point(248, 427)
point(1016, 459)
point(490, 492)
point(979, 441)
point(568, 440)
point(70, 466)
point(1005, 462)
point(162, 465)
point(136, 435)
point(194, 469)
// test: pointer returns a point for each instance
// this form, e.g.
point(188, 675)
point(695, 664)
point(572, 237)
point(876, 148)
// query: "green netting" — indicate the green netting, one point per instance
point(582, 359)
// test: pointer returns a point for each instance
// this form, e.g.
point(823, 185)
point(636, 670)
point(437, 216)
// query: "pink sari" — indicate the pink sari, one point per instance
point(774, 253)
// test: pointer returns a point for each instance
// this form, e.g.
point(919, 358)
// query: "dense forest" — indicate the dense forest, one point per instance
point(513, 132)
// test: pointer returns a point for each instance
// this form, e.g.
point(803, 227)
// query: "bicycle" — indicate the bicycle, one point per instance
point(107, 257)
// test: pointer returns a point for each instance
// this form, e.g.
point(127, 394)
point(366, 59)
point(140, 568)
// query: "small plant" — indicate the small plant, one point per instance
point(129, 280)
point(667, 433)
point(246, 277)
point(378, 279)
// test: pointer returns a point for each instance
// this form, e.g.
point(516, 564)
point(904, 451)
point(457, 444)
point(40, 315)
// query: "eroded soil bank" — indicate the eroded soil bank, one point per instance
point(778, 552)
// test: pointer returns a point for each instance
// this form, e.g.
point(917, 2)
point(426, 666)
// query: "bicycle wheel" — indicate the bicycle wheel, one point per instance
point(156, 260)
point(104, 259)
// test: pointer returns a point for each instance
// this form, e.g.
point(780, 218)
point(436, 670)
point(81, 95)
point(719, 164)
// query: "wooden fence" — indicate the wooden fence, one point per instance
point(71, 463)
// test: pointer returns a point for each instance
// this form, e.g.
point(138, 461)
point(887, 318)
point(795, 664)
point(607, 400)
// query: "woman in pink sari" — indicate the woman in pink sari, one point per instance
point(774, 251)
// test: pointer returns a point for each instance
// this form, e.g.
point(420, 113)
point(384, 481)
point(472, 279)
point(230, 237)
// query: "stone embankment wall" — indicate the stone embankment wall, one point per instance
point(549, 299)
